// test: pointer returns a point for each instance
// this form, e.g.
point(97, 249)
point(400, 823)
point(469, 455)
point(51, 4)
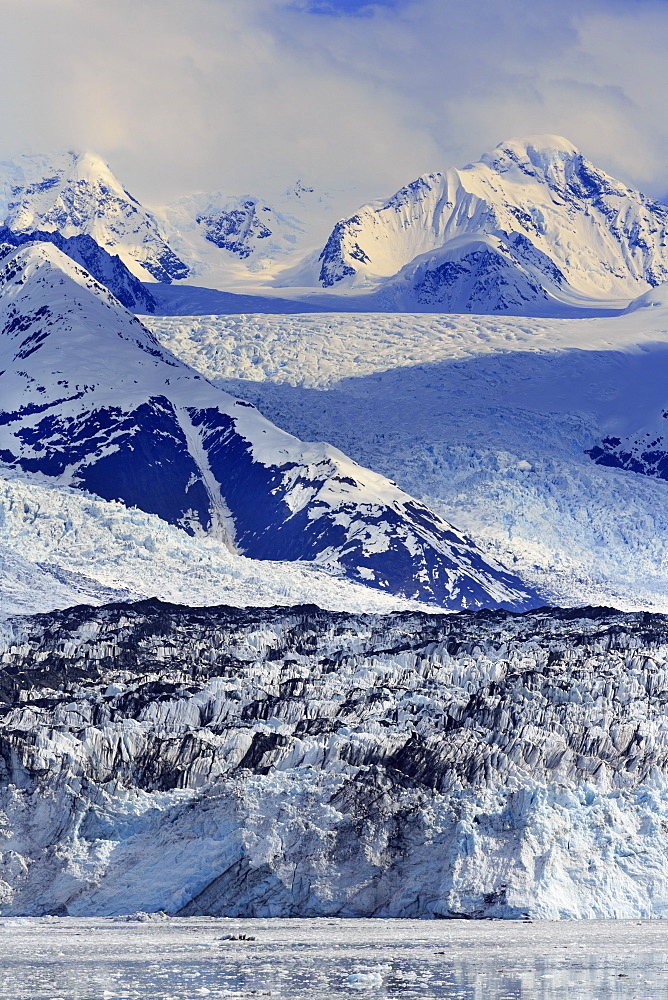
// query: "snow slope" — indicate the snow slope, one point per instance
point(293, 762)
point(109, 270)
point(489, 419)
point(91, 400)
point(229, 242)
point(533, 218)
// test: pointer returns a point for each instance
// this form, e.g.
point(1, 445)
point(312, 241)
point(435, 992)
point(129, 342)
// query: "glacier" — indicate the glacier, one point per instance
point(489, 420)
point(297, 762)
point(228, 685)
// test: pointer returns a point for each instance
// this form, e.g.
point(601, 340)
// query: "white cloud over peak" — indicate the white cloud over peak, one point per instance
point(248, 95)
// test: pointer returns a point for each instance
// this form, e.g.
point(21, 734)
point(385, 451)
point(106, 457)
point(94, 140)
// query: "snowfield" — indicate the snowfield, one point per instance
point(486, 419)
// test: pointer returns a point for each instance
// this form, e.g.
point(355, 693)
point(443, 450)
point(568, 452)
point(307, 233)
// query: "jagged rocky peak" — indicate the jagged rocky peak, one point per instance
point(75, 193)
point(91, 400)
point(236, 228)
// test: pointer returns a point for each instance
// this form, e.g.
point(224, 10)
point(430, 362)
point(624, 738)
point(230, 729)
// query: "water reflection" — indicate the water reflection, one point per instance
point(196, 959)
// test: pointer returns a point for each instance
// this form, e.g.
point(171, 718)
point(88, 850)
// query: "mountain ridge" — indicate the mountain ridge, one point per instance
point(577, 231)
point(533, 226)
point(92, 400)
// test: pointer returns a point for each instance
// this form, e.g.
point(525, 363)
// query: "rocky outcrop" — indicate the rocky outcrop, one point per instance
point(300, 762)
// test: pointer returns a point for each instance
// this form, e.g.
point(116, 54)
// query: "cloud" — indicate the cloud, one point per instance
point(248, 95)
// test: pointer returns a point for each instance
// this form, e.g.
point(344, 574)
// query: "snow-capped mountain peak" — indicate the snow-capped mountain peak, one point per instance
point(577, 233)
point(75, 193)
point(91, 400)
point(55, 192)
point(543, 156)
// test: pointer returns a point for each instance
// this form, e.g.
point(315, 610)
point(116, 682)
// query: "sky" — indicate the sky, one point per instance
point(352, 97)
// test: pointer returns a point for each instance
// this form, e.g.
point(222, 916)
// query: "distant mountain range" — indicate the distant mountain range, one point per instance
point(533, 227)
point(209, 239)
point(91, 400)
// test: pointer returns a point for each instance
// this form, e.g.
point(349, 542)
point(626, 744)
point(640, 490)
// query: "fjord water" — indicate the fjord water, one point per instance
point(324, 959)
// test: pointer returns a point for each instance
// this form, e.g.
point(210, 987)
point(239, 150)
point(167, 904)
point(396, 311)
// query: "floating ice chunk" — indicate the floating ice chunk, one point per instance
point(365, 980)
point(251, 993)
point(142, 917)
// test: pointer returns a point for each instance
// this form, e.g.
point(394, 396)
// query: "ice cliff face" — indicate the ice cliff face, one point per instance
point(554, 224)
point(298, 762)
point(91, 400)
